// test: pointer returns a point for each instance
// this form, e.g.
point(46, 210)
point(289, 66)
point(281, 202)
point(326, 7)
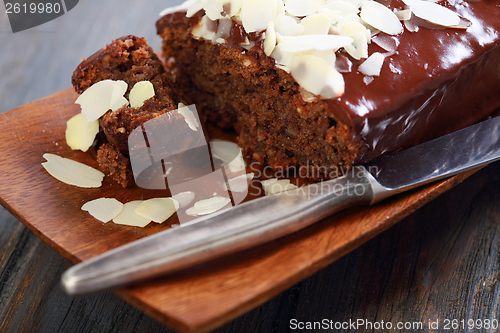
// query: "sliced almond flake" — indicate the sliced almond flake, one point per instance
point(267, 182)
point(204, 29)
point(184, 198)
point(129, 217)
point(208, 206)
point(255, 14)
point(213, 9)
point(209, 202)
point(66, 176)
point(388, 43)
point(344, 7)
point(235, 7)
point(280, 7)
point(76, 167)
point(117, 98)
point(284, 68)
point(334, 30)
point(188, 117)
point(317, 76)
point(347, 19)
point(157, 209)
point(373, 31)
point(283, 59)
point(308, 96)
point(343, 64)
point(229, 154)
point(103, 209)
point(318, 24)
point(223, 29)
point(239, 183)
point(433, 13)
point(270, 41)
point(333, 15)
point(225, 151)
point(64, 170)
point(287, 26)
point(273, 186)
point(194, 8)
point(80, 134)
point(368, 79)
point(303, 8)
point(381, 18)
point(359, 48)
point(404, 14)
point(328, 55)
point(295, 44)
point(372, 65)
point(463, 24)
point(410, 26)
point(141, 92)
point(351, 29)
point(101, 97)
point(238, 164)
point(279, 37)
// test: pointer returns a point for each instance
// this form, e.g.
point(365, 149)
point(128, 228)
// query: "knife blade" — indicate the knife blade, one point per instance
point(267, 218)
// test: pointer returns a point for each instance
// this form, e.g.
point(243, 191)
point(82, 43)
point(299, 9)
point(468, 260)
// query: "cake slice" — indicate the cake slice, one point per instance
point(409, 71)
point(129, 59)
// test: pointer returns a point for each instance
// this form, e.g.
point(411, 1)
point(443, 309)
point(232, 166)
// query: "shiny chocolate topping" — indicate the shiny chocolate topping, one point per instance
point(438, 80)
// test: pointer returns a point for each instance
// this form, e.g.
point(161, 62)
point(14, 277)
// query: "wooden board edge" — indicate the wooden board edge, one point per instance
point(436, 189)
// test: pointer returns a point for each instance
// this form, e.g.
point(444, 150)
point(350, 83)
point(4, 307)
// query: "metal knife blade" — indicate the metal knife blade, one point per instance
point(443, 157)
point(274, 216)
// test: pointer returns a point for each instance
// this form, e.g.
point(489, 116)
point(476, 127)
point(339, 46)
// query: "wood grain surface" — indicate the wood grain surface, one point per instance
point(236, 283)
point(439, 263)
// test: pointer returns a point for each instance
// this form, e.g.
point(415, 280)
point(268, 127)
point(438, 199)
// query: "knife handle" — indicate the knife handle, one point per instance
point(237, 228)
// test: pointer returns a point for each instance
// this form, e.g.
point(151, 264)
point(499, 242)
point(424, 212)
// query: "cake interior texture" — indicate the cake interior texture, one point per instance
point(439, 80)
point(129, 59)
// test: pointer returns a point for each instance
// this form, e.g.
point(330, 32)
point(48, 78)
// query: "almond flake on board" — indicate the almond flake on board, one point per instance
point(72, 172)
point(275, 185)
point(103, 209)
point(184, 198)
point(208, 206)
point(128, 217)
point(157, 209)
point(239, 183)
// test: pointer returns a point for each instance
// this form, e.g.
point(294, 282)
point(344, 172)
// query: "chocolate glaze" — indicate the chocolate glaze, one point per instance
point(438, 81)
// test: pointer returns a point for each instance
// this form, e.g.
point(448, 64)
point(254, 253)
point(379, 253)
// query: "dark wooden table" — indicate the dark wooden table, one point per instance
point(440, 263)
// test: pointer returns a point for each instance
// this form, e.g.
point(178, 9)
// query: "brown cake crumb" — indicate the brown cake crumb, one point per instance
point(129, 59)
point(244, 89)
point(115, 164)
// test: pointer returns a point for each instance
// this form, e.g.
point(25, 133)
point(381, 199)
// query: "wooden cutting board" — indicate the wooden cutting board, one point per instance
point(194, 300)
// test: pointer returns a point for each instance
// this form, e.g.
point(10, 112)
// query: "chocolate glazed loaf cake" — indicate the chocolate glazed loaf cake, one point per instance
point(434, 77)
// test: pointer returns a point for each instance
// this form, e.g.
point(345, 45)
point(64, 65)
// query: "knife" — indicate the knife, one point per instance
point(267, 218)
